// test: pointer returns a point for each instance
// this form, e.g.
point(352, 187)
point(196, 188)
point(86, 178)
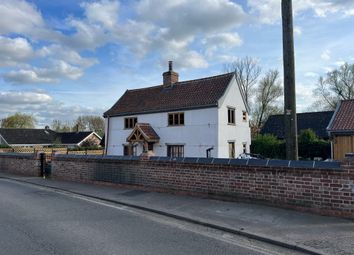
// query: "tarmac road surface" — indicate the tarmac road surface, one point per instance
point(35, 220)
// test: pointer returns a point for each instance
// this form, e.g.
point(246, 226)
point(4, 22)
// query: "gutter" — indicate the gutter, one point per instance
point(162, 110)
point(106, 137)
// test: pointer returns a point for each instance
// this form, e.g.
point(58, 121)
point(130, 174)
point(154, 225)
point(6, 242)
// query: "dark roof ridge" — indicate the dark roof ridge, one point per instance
point(28, 129)
point(182, 82)
point(281, 114)
point(205, 78)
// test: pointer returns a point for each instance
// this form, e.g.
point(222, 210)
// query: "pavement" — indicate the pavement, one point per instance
point(305, 232)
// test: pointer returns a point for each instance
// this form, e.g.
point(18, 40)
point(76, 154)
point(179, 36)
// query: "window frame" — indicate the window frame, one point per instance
point(231, 115)
point(244, 116)
point(130, 149)
point(244, 147)
point(179, 153)
point(232, 153)
point(130, 122)
point(176, 119)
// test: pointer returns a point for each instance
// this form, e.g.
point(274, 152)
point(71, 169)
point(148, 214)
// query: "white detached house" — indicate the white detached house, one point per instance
point(196, 118)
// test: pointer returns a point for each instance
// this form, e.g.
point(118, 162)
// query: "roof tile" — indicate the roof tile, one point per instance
point(198, 93)
point(317, 121)
point(343, 119)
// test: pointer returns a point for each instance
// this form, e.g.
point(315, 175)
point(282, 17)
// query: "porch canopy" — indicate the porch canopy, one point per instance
point(143, 132)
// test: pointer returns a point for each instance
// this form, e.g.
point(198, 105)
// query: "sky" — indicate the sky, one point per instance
point(62, 59)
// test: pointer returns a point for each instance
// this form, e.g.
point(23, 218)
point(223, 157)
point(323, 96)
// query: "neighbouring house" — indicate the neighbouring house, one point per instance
point(195, 118)
point(341, 129)
point(20, 137)
point(317, 121)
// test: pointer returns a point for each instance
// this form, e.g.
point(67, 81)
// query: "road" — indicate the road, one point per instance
point(35, 220)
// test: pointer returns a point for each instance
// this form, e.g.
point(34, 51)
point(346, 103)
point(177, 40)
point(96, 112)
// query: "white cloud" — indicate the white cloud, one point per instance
point(25, 77)
point(269, 11)
point(65, 54)
point(18, 16)
point(23, 98)
point(311, 74)
point(177, 24)
point(304, 97)
point(14, 51)
point(61, 51)
point(104, 12)
point(44, 107)
point(326, 55)
point(183, 19)
point(222, 40)
point(59, 69)
point(297, 30)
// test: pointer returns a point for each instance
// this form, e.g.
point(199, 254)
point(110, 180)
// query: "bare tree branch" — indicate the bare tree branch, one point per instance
point(268, 91)
point(337, 85)
point(246, 72)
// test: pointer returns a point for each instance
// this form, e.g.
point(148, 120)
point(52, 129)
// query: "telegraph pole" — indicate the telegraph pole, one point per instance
point(289, 81)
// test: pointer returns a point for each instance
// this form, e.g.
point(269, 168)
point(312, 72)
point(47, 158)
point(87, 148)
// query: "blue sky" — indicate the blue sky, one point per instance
point(62, 59)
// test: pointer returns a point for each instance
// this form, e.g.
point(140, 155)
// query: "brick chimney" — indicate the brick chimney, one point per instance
point(170, 77)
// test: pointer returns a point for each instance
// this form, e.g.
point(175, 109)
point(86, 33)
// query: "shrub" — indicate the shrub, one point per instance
point(268, 146)
point(310, 146)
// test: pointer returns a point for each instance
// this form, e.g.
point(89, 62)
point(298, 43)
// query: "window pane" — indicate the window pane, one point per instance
point(176, 119)
point(231, 150)
point(231, 116)
point(170, 119)
point(181, 119)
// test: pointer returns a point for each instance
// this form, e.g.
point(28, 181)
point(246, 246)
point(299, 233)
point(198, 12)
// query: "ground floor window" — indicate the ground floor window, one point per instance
point(129, 150)
point(231, 149)
point(244, 147)
point(175, 151)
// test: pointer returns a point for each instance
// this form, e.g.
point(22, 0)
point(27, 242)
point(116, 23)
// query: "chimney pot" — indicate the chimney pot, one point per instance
point(170, 65)
point(170, 77)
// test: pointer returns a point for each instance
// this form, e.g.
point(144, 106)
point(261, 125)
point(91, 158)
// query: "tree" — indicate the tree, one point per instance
point(335, 86)
point(247, 72)
point(59, 126)
point(90, 123)
point(19, 120)
point(268, 91)
point(308, 136)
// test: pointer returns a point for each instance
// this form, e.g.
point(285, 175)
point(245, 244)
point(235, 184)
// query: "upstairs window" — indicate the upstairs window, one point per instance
point(231, 116)
point(130, 122)
point(176, 119)
point(244, 115)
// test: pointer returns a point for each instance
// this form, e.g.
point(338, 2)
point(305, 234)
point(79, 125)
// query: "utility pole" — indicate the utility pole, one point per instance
point(289, 81)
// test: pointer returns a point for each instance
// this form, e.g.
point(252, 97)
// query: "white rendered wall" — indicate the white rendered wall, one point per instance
point(240, 132)
point(197, 134)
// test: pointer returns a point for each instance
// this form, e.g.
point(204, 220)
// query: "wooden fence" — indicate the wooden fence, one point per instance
point(52, 151)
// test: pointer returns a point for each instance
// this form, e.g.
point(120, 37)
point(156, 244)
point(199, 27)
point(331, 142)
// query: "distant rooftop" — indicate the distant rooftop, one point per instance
point(317, 121)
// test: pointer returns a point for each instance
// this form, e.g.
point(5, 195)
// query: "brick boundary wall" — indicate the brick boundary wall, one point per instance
point(322, 191)
point(20, 163)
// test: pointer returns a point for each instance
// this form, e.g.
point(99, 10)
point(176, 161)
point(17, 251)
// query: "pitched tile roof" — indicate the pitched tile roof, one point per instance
point(146, 130)
point(191, 94)
point(28, 136)
point(317, 121)
point(73, 137)
point(41, 136)
point(343, 118)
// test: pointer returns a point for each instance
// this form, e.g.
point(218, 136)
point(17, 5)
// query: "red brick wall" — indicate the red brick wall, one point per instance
point(21, 164)
point(324, 191)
